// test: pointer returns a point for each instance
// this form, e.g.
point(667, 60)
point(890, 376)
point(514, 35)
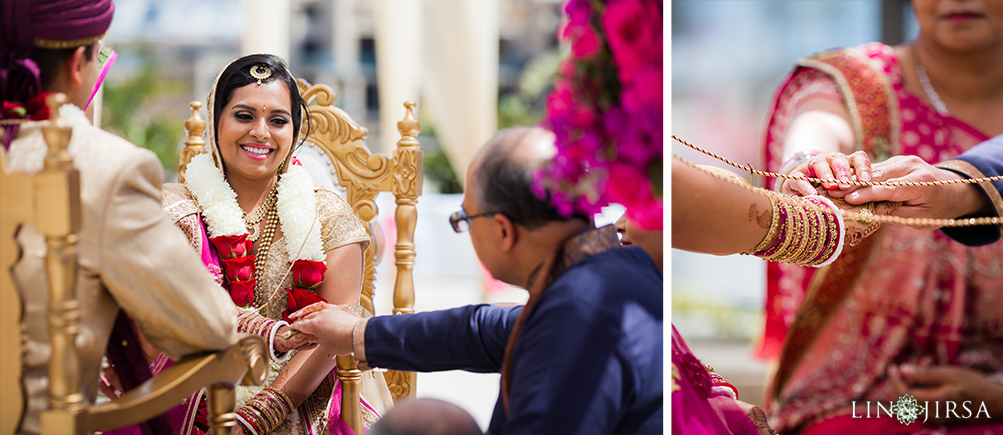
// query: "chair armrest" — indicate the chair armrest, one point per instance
point(245, 362)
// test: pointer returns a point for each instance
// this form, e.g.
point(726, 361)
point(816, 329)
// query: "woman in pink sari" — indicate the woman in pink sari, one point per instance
point(903, 303)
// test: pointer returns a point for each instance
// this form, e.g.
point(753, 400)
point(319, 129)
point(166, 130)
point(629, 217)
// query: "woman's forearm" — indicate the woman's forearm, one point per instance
point(714, 216)
point(820, 124)
point(303, 374)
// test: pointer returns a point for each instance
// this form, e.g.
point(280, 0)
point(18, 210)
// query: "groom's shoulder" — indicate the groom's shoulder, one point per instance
point(93, 143)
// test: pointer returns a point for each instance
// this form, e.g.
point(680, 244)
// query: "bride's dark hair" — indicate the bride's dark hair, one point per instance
point(238, 75)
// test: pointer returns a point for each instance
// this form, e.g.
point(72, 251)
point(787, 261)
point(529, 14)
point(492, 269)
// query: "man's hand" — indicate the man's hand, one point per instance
point(946, 383)
point(937, 202)
point(331, 324)
point(287, 338)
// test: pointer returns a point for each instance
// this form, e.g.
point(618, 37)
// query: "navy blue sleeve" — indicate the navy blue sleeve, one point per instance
point(468, 338)
point(983, 160)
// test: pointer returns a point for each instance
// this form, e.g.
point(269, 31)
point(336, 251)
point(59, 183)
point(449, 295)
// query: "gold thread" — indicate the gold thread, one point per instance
point(752, 170)
point(912, 222)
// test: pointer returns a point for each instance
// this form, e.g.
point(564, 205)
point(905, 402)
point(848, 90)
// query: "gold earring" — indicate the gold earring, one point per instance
point(260, 72)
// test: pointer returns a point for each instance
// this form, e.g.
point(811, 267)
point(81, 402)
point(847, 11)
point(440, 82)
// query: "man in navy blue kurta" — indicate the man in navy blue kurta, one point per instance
point(587, 357)
point(945, 202)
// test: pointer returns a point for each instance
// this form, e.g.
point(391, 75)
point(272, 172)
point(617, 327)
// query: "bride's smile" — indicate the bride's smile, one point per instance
point(256, 130)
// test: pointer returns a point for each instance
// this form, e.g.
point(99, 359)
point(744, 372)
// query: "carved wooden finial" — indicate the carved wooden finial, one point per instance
point(195, 126)
point(55, 101)
point(409, 127)
point(194, 145)
point(57, 134)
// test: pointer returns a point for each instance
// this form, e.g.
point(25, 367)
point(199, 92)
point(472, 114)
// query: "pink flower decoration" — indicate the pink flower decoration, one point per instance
point(633, 34)
point(606, 111)
point(584, 42)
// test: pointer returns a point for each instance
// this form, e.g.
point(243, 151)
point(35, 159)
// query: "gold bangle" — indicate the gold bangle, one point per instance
point(783, 238)
point(831, 236)
point(812, 236)
point(789, 242)
point(285, 399)
point(772, 232)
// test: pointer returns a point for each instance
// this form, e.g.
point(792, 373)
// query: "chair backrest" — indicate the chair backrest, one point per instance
point(363, 175)
point(51, 201)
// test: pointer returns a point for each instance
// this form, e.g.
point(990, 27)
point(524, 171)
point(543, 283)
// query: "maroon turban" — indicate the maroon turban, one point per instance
point(51, 24)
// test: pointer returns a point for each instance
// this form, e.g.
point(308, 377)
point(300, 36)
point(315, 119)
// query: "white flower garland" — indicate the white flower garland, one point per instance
point(297, 206)
point(298, 213)
point(218, 201)
point(73, 116)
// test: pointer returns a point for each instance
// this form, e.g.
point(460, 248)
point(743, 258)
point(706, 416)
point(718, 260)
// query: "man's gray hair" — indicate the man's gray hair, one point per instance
point(504, 184)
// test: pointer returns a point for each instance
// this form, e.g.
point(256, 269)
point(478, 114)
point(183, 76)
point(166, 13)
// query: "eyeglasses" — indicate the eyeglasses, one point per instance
point(461, 222)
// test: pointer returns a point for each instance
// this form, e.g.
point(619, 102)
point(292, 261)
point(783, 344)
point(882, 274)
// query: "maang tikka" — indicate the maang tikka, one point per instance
point(260, 72)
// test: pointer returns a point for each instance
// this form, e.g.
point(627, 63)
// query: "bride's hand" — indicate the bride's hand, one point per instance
point(832, 166)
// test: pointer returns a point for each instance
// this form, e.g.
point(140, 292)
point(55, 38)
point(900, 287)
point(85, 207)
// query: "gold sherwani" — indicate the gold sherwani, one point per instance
point(131, 256)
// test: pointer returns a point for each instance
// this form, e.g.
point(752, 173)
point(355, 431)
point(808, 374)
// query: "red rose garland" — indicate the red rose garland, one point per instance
point(295, 208)
point(238, 267)
point(307, 275)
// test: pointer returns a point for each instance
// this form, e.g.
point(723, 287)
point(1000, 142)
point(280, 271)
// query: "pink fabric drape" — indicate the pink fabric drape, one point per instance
point(696, 410)
point(918, 296)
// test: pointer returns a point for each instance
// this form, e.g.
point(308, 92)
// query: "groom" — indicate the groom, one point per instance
point(583, 356)
point(131, 256)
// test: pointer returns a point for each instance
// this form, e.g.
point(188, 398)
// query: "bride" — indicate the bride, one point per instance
point(276, 242)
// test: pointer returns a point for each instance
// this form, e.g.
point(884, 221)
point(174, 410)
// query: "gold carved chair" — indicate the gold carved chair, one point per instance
point(51, 200)
point(363, 175)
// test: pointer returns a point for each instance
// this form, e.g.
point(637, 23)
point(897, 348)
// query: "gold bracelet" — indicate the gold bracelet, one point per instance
point(790, 242)
point(831, 237)
point(784, 238)
point(285, 399)
point(772, 232)
point(812, 235)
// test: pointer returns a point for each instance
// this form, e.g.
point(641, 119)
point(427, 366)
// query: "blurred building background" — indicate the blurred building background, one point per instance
point(473, 66)
point(728, 58)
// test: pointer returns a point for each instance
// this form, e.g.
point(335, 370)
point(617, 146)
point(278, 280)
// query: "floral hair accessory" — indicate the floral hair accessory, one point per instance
point(606, 111)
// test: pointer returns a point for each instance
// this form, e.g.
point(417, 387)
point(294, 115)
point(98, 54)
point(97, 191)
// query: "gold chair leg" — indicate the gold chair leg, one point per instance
point(222, 401)
point(350, 377)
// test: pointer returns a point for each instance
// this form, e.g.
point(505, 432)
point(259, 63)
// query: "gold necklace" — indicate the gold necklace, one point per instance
point(251, 222)
point(261, 257)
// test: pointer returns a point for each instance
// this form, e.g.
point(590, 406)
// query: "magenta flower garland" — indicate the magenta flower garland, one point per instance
point(606, 111)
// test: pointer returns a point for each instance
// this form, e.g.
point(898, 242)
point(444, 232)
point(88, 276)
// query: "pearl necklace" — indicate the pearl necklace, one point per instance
point(931, 94)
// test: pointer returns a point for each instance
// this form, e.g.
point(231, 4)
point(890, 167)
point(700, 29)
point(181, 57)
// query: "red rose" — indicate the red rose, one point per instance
point(238, 269)
point(298, 299)
point(231, 246)
point(37, 108)
point(242, 292)
point(13, 110)
point(308, 274)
